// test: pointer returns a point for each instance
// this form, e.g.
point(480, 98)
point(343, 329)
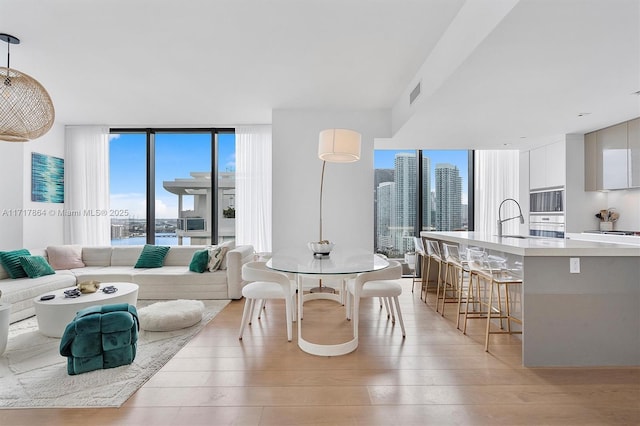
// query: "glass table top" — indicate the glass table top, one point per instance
point(342, 260)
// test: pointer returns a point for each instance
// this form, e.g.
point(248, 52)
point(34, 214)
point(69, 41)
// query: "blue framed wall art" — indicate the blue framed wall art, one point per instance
point(47, 178)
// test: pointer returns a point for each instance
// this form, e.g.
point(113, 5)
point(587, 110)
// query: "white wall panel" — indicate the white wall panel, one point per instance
point(348, 188)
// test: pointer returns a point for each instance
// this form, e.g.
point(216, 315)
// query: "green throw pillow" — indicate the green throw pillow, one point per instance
point(152, 256)
point(11, 262)
point(199, 261)
point(36, 266)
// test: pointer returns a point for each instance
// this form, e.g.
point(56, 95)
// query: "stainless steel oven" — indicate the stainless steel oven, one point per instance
point(551, 226)
point(547, 201)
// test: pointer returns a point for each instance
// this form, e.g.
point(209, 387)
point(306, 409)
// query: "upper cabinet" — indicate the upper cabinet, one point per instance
point(633, 132)
point(612, 157)
point(547, 166)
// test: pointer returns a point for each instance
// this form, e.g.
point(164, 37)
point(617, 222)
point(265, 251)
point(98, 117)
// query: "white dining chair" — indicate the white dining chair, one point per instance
point(383, 283)
point(266, 284)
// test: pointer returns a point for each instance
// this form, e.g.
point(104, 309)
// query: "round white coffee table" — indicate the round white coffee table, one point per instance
point(54, 315)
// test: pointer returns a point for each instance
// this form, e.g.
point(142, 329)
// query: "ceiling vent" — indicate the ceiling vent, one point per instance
point(414, 94)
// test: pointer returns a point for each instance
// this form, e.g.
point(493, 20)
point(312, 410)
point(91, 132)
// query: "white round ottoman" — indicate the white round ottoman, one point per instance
point(170, 315)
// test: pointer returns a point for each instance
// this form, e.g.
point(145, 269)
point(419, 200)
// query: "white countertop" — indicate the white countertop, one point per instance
point(536, 246)
point(605, 238)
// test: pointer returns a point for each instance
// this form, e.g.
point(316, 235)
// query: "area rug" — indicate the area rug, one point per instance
point(34, 374)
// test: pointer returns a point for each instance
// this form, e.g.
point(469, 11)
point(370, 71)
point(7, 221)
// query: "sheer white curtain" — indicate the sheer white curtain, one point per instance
point(253, 187)
point(86, 185)
point(496, 178)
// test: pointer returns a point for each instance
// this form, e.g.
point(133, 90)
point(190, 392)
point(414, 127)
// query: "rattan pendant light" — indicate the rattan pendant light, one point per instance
point(26, 110)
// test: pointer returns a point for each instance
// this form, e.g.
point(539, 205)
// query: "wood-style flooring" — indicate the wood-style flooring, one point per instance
point(436, 376)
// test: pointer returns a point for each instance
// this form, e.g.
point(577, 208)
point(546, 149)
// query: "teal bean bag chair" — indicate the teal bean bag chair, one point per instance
point(100, 337)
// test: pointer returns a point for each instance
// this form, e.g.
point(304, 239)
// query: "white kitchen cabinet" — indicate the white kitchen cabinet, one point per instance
point(547, 166)
point(633, 143)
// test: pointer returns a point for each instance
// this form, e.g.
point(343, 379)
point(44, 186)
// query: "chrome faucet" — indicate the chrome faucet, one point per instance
point(501, 221)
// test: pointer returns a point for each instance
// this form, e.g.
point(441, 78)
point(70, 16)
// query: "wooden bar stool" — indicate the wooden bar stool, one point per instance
point(456, 269)
point(501, 280)
point(422, 254)
point(486, 274)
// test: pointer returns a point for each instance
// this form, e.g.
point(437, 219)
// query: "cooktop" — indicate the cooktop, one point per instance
point(614, 232)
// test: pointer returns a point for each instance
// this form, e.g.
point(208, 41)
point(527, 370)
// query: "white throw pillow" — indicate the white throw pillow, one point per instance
point(65, 257)
point(216, 257)
point(230, 245)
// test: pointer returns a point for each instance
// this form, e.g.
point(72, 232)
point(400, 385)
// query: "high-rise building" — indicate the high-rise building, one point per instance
point(385, 215)
point(380, 176)
point(448, 197)
point(427, 205)
point(405, 166)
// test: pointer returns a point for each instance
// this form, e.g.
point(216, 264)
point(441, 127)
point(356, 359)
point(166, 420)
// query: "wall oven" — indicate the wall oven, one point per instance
point(547, 201)
point(550, 226)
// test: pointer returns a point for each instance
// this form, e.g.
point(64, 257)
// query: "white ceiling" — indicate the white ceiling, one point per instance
point(229, 62)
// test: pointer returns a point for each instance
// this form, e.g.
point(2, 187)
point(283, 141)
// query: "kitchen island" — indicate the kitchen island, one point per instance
point(587, 315)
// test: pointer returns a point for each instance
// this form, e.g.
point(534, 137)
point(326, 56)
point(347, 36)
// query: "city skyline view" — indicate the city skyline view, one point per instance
point(384, 159)
point(397, 199)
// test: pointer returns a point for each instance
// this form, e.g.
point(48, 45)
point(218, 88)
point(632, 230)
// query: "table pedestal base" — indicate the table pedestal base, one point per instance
point(326, 350)
point(317, 348)
point(322, 289)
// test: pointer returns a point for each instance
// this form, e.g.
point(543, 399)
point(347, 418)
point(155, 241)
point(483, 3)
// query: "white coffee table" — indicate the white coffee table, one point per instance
point(54, 315)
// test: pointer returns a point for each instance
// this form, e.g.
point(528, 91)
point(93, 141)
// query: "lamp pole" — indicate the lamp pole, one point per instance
point(324, 163)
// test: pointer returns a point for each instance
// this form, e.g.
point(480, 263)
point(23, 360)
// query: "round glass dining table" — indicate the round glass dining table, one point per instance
point(343, 263)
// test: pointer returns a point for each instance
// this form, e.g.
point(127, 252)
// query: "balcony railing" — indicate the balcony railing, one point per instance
point(192, 224)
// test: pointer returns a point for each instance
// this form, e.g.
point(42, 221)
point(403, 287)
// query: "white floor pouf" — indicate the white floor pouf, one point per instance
point(170, 315)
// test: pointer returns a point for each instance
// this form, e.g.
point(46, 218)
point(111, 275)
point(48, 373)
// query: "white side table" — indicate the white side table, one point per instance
point(5, 311)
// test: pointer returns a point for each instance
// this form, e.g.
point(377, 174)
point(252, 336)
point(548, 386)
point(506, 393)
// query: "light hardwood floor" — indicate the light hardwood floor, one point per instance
point(436, 376)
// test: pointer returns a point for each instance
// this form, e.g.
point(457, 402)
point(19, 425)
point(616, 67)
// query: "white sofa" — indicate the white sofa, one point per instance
point(116, 263)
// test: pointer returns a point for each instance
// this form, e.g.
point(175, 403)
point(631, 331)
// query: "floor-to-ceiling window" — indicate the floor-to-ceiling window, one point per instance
point(403, 207)
point(180, 181)
point(128, 187)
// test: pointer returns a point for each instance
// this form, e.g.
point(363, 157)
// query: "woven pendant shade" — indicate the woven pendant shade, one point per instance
point(26, 110)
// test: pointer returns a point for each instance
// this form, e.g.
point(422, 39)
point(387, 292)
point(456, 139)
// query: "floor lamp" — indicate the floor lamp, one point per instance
point(334, 146)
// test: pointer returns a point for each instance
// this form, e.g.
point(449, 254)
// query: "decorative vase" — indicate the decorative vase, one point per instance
point(606, 226)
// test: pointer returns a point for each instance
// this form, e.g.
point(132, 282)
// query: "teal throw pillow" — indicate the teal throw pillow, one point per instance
point(152, 256)
point(11, 262)
point(36, 266)
point(199, 261)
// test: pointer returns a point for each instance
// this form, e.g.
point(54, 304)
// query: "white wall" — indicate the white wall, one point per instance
point(581, 206)
point(627, 203)
point(40, 231)
point(11, 194)
point(27, 229)
point(348, 188)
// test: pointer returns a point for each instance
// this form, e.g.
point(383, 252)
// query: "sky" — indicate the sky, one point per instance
point(177, 154)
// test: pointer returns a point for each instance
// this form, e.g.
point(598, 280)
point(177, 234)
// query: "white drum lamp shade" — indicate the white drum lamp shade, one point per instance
point(339, 146)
